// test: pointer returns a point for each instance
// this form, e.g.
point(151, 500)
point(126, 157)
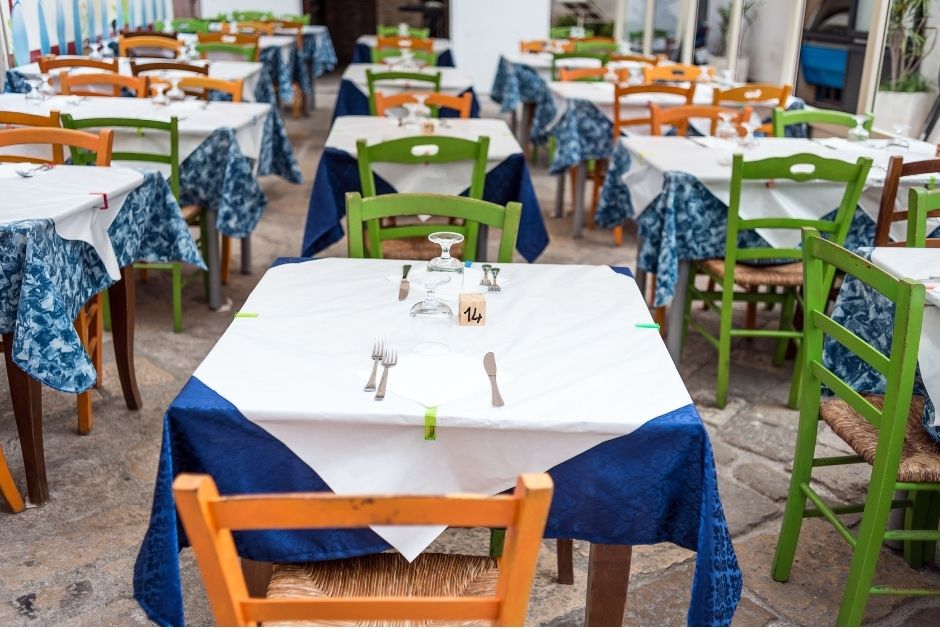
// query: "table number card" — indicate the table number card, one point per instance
point(471, 309)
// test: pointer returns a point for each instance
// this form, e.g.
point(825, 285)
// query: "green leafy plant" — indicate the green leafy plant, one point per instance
point(748, 15)
point(907, 41)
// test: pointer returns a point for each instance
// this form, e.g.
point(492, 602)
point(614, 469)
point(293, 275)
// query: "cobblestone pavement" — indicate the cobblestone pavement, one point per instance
point(70, 561)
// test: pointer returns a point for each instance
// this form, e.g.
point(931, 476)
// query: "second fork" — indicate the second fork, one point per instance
point(389, 360)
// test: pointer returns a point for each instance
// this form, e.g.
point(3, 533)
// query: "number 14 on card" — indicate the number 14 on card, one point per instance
point(472, 309)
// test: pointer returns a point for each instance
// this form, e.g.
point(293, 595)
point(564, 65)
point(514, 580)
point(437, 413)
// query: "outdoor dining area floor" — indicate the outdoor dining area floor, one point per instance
point(70, 561)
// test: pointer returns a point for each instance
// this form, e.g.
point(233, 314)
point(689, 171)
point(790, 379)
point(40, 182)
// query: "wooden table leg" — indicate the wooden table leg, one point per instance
point(121, 296)
point(608, 580)
point(564, 549)
point(26, 394)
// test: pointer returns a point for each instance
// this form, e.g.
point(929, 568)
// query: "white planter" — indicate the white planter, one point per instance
point(721, 63)
point(910, 108)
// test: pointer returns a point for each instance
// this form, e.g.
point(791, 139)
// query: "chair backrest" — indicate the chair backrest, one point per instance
point(12, 119)
point(754, 93)
point(679, 117)
point(257, 27)
point(676, 72)
point(218, 37)
point(99, 143)
point(600, 45)
point(143, 32)
point(461, 104)
point(431, 80)
point(647, 59)
point(140, 67)
point(587, 74)
point(251, 16)
point(224, 51)
point(295, 19)
point(414, 43)
point(623, 90)
point(383, 30)
point(149, 46)
point(922, 204)
point(558, 56)
point(190, 25)
point(367, 214)
point(532, 45)
point(887, 213)
point(782, 118)
point(171, 128)
point(821, 259)
point(801, 168)
point(73, 84)
point(564, 32)
point(426, 57)
point(48, 64)
point(209, 520)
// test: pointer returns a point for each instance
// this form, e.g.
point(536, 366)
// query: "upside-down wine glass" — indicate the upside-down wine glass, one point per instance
point(858, 133)
point(431, 318)
point(445, 262)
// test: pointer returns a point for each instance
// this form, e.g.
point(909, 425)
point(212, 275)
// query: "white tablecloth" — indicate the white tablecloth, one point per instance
point(453, 81)
point(451, 178)
point(282, 42)
point(437, 45)
point(709, 161)
point(71, 196)
point(582, 371)
point(923, 265)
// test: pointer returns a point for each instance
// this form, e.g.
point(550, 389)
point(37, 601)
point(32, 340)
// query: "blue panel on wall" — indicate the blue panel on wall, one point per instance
point(44, 46)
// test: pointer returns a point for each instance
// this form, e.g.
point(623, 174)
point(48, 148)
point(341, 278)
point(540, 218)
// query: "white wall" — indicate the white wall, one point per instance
point(210, 8)
point(765, 42)
point(482, 30)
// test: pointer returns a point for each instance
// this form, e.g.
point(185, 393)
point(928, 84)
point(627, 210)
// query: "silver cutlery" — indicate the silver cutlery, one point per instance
point(389, 360)
point(494, 287)
point(378, 351)
point(485, 280)
point(29, 172)
point(405, 285)
point(489, 363)
point(821, 143)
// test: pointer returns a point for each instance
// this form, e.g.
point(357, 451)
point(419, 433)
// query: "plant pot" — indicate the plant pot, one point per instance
point(910, 108)
point(721, 63)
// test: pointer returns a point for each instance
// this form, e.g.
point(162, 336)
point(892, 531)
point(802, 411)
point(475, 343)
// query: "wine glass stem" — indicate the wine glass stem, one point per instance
point(445, 251)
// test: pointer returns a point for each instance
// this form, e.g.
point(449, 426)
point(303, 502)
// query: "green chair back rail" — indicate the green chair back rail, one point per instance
point(851, 414)
point(801, 168)
point(251, 16)
point(297, 18)
point(782, 118)
point(367, 215)
point(392, 30)
point(190, 25)
point(564, 32)
point(597, 47)
point(431, 81)
point(922, 204)
point(249, 52)
point(424, 56)
point(602, 58)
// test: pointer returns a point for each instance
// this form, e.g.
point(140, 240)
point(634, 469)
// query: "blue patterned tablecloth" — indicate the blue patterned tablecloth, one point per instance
point(45, 280)
point(351, 101)
point(338, 173)
point(320, 50)
point(666, 465)
point(517, 83)
point(870, 315)
point(362, 53)
point(282, 74)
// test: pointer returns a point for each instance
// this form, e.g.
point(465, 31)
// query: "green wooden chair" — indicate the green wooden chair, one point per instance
point(366, 215)
point(190, 25)
point(602, 58)
point(170, 159)
point(734, 270)
point(922, 203)
point(251, 16)
point(248, 52)
point(596, 47)
point(427, 57)
point(392, 30)
point(885, 431)
point(564, 32)
point(782, 118)
point(372, 77)
point(300, 19)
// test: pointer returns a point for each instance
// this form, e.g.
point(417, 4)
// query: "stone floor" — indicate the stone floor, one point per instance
point(70, 561)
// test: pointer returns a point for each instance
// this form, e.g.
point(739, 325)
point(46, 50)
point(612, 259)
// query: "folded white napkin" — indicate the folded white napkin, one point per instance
point(466, 282)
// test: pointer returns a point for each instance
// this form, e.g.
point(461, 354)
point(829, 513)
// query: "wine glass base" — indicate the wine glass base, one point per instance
point(448, 265)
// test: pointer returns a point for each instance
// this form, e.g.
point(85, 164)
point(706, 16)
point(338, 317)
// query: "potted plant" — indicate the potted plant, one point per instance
point(904, 96)
point(718, 57)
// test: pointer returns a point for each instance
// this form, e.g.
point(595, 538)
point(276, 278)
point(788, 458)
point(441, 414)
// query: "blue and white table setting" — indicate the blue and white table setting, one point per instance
point(261, 414)
point(870, 315)
point(680, 204)
point(440, 47)
point(507, 177)
point(67, 233)
point(321, 51)
point(353, 97)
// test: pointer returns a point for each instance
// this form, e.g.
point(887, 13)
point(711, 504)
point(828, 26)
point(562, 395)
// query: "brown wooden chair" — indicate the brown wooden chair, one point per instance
point(78, 84)
point(753, 94)
point(679, 117)
point(651, 60)
point(887, 213)
point(142, 32)
point(377, 588)
point(461, 104)
point(49, 63)
point(8, 491)
point(676, 72)
point(150, 45)
point(414, 43)
point(139, 68)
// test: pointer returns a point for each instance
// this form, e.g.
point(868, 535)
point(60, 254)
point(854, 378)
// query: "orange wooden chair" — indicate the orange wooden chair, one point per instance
point(13, 119)
point(675, 72)
point(202, 85)
point(752, 94)
point(50, 62)
point(254, 26)
point(78, 84)
point(461, 104)
point(532, 45)
point(377, 588)
point(145, 45)
point(8, 491)
point(415, 43)
point(590, 74)
point(652, 60)
point(219, 37)
point(887, 213)
point(679, 117)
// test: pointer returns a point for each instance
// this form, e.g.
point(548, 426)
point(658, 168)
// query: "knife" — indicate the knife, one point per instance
point(489, 363)
point(405, 285)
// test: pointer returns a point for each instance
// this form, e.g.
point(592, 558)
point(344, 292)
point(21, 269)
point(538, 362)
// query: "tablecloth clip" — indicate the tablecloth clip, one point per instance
point(652, 326)
point(430, 424)
point(104, 199)
point(771, 183)
point(932, 182)
point(140, 132)
point(246, 315)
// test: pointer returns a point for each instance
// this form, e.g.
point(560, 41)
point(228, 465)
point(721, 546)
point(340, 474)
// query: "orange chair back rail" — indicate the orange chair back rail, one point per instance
point(73, 84)
point(672, 72)
point(12, 119)
point(587, 74)
point(99, 143)
point(632, 92)
point(125, 44)
point(414, 43)
point(679, 117)
point(754, 93)
point(461, 104)
point(532, 45)
point(209, 520)
point(49, 63)
point(228, 38)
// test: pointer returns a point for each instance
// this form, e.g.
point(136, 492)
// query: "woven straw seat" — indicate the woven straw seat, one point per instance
point(748, 276)
point(386, 574)
point(920, 458)
point(414, 249)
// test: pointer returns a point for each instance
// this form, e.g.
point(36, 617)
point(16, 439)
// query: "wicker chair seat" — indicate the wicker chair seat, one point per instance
point(920, 458)
point(414, 249)
point(748, 276)
point(385, 574)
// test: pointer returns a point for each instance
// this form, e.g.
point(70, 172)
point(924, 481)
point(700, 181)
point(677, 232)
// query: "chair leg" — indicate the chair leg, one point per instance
point(933, 521)
point(724, 353)
point(122, 304)
point(8, 491)
point(750, 320)
point(915, 519)
point(89, 328)
point(106, 310)
point(26, 395)
point(600, 170)
point(618, 235)
point(564, 550)
point(786, 323)
point(143, 274)
point(497, 541)
point(177, 296)
point(226, 262)
point(573, 173)
point(711, 289)
point(796, 381)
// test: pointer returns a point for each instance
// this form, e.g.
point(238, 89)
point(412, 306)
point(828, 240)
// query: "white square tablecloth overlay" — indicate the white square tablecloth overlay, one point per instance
point(922, 265)
point(71, 197)
point(709, 161)
point(453, 81)
point(282, 42)
point(437, 45)
point(450, 178)
point(582, 373)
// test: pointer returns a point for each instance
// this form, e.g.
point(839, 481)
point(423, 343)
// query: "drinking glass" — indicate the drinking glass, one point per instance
point(106, 51)
point(901, 132)
point(703, 75)
point(95, 50)
point(160, 97)
point(33, 96)
point(422, 110)
point(727, 78)
point(726, 130)
point(431, 319)
point(749, 141)
point(858, 133)
point(445, 262)
point(175, 92)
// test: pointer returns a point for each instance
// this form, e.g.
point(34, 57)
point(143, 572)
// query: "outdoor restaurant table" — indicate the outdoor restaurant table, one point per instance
point(353, 97)
point(507, 177)
point(65, 235)
point(278, 406)
point(440, 47)
point(317, 54)
point(677, 190)
point(222, 147)
point(870, 315)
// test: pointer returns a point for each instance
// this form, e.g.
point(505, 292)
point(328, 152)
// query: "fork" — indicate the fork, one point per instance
point(485, 281)
point(378, 351)
point(389, 360)
point(494, 287)
point(29, 172)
